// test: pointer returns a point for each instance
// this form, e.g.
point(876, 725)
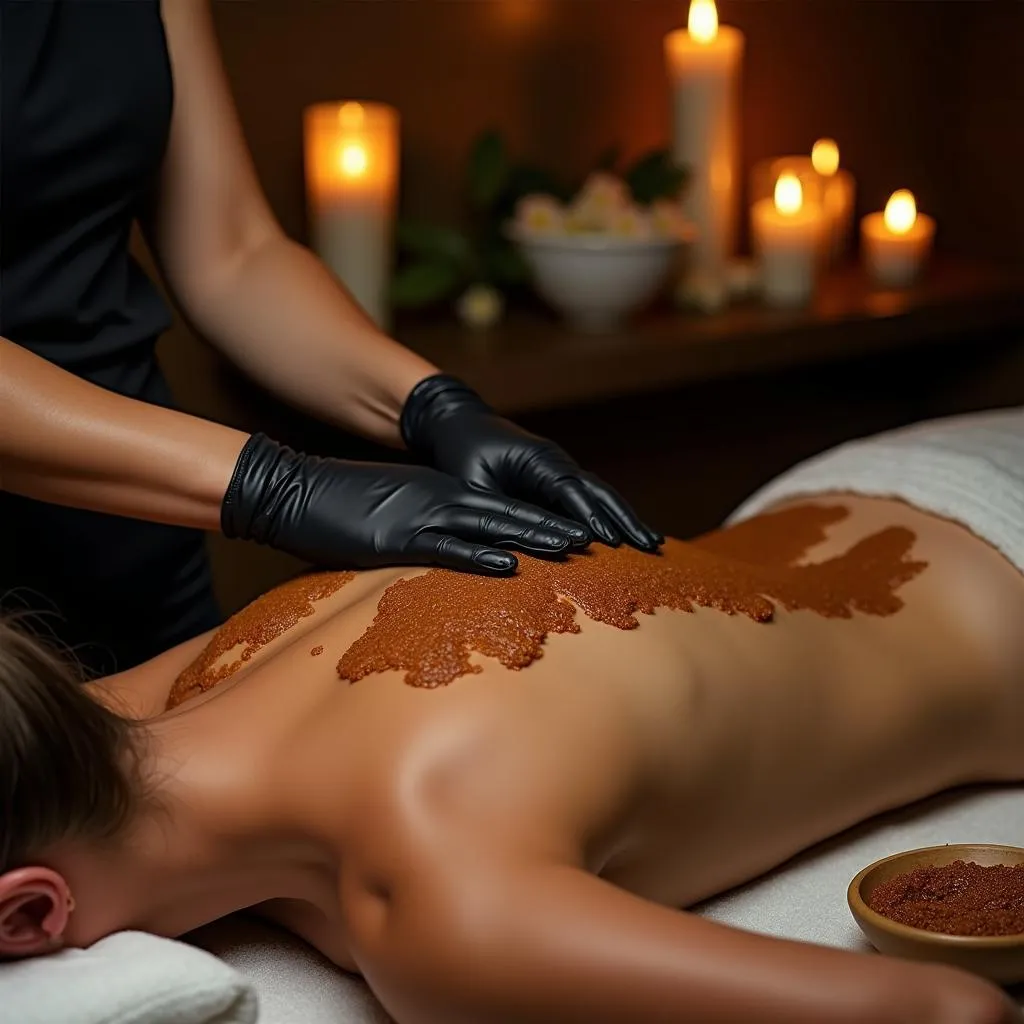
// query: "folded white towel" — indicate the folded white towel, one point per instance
point(127, 978)
point(966, 468)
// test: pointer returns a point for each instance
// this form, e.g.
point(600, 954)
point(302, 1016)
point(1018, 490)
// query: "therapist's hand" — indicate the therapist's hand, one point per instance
point(449, 425)
point(342, 514)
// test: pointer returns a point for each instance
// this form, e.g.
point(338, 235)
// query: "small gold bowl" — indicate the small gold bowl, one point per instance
point(999, 958)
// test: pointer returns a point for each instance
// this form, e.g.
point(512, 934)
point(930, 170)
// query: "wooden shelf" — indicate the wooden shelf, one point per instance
point(531, 362)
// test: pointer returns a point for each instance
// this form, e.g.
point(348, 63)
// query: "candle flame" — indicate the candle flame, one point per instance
point(351, 115)
point(900, 212)
point(702, 22)
point(789, 194)
point(352, 160)
point(825, 157)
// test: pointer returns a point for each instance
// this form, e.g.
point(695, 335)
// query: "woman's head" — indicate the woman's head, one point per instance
point(64, 776)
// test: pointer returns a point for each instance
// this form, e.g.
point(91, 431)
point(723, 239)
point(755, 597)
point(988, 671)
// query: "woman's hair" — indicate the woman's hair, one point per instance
point(64, 758)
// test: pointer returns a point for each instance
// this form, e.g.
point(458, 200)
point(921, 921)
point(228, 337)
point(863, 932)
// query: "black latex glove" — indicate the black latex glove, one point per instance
point(449, 426)
point(342, 514)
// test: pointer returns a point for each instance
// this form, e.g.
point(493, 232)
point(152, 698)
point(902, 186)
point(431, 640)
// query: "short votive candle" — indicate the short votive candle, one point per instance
point(787, 235)
point(897, 243)
point(824, 183)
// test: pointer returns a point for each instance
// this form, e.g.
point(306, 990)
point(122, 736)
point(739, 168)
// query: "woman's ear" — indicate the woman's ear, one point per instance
point(35, 904)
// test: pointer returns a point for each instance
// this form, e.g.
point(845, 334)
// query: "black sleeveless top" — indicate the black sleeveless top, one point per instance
point(85, 107)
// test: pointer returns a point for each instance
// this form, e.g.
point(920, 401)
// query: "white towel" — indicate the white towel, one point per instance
point(126, 978)
point(296, 985)
point(969, 469)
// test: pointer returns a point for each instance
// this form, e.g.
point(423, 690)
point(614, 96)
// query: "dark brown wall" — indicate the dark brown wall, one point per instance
point(921, 95)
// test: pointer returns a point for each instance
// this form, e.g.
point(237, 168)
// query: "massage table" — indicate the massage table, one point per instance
point(804, 899)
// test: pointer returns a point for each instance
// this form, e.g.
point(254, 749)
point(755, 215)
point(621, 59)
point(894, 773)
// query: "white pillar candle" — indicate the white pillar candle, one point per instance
point(787, 235)
point(704, 63)
point(824, 183)
point(896, 244)
point(837, 196)
point(351, 156)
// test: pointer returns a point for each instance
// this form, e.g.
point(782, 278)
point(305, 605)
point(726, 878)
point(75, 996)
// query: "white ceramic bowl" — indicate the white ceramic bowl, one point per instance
point(596, 281)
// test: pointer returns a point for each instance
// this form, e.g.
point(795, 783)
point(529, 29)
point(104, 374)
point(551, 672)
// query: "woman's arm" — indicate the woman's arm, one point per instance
point(551, 944)
point(66, 441)
point(261, 299)
point(279, 315)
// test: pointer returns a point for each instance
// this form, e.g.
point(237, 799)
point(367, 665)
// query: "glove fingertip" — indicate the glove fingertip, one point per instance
point(648, 540)
point(498, 563)
point(580, 538)
point(545, 540)
point(605, 531)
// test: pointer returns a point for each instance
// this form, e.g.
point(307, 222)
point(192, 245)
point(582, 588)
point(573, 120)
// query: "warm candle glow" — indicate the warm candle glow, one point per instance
point(351, 115)
point(351, 165)
point(825, 157)
point(704, 61)
point(900, 212)
point(351, 148)
point(789, 194)
point(896, 243)
point(702, 22)
point(352, 160)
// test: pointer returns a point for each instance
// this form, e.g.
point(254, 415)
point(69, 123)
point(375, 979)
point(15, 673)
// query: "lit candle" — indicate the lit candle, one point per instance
point(896, 243)
point(704, 63)
point(836, 196)
point(787, 236)
point(351, 152)
point(824, 183)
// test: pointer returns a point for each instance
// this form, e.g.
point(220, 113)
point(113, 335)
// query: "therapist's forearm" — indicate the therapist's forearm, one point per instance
point(69, 442)
point(279, 315)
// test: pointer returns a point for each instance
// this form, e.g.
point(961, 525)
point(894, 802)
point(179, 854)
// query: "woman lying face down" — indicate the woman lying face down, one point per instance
point(490, 797)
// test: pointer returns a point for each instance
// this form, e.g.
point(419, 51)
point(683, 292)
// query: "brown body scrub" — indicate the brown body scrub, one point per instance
point(254, 627)
point(429, 626)
point(962, 898)
point(317, 651)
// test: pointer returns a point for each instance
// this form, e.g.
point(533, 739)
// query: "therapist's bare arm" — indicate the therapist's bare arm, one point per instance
point(66, 441)
point(265, 302)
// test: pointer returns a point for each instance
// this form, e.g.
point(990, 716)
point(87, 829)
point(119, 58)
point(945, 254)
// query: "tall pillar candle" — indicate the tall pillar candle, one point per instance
point(351, 155)
point(704, 62)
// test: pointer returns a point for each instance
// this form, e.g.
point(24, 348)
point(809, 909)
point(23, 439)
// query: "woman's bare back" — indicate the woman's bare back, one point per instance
point(676, 758)
point(509, 845)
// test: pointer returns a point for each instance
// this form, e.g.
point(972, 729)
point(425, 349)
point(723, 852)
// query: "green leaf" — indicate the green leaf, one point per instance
point(656, 176)
point(434, 242)
point(488, 170)
point(424, 283)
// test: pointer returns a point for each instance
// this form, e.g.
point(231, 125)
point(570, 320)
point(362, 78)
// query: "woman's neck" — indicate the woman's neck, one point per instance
point(207, 840)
